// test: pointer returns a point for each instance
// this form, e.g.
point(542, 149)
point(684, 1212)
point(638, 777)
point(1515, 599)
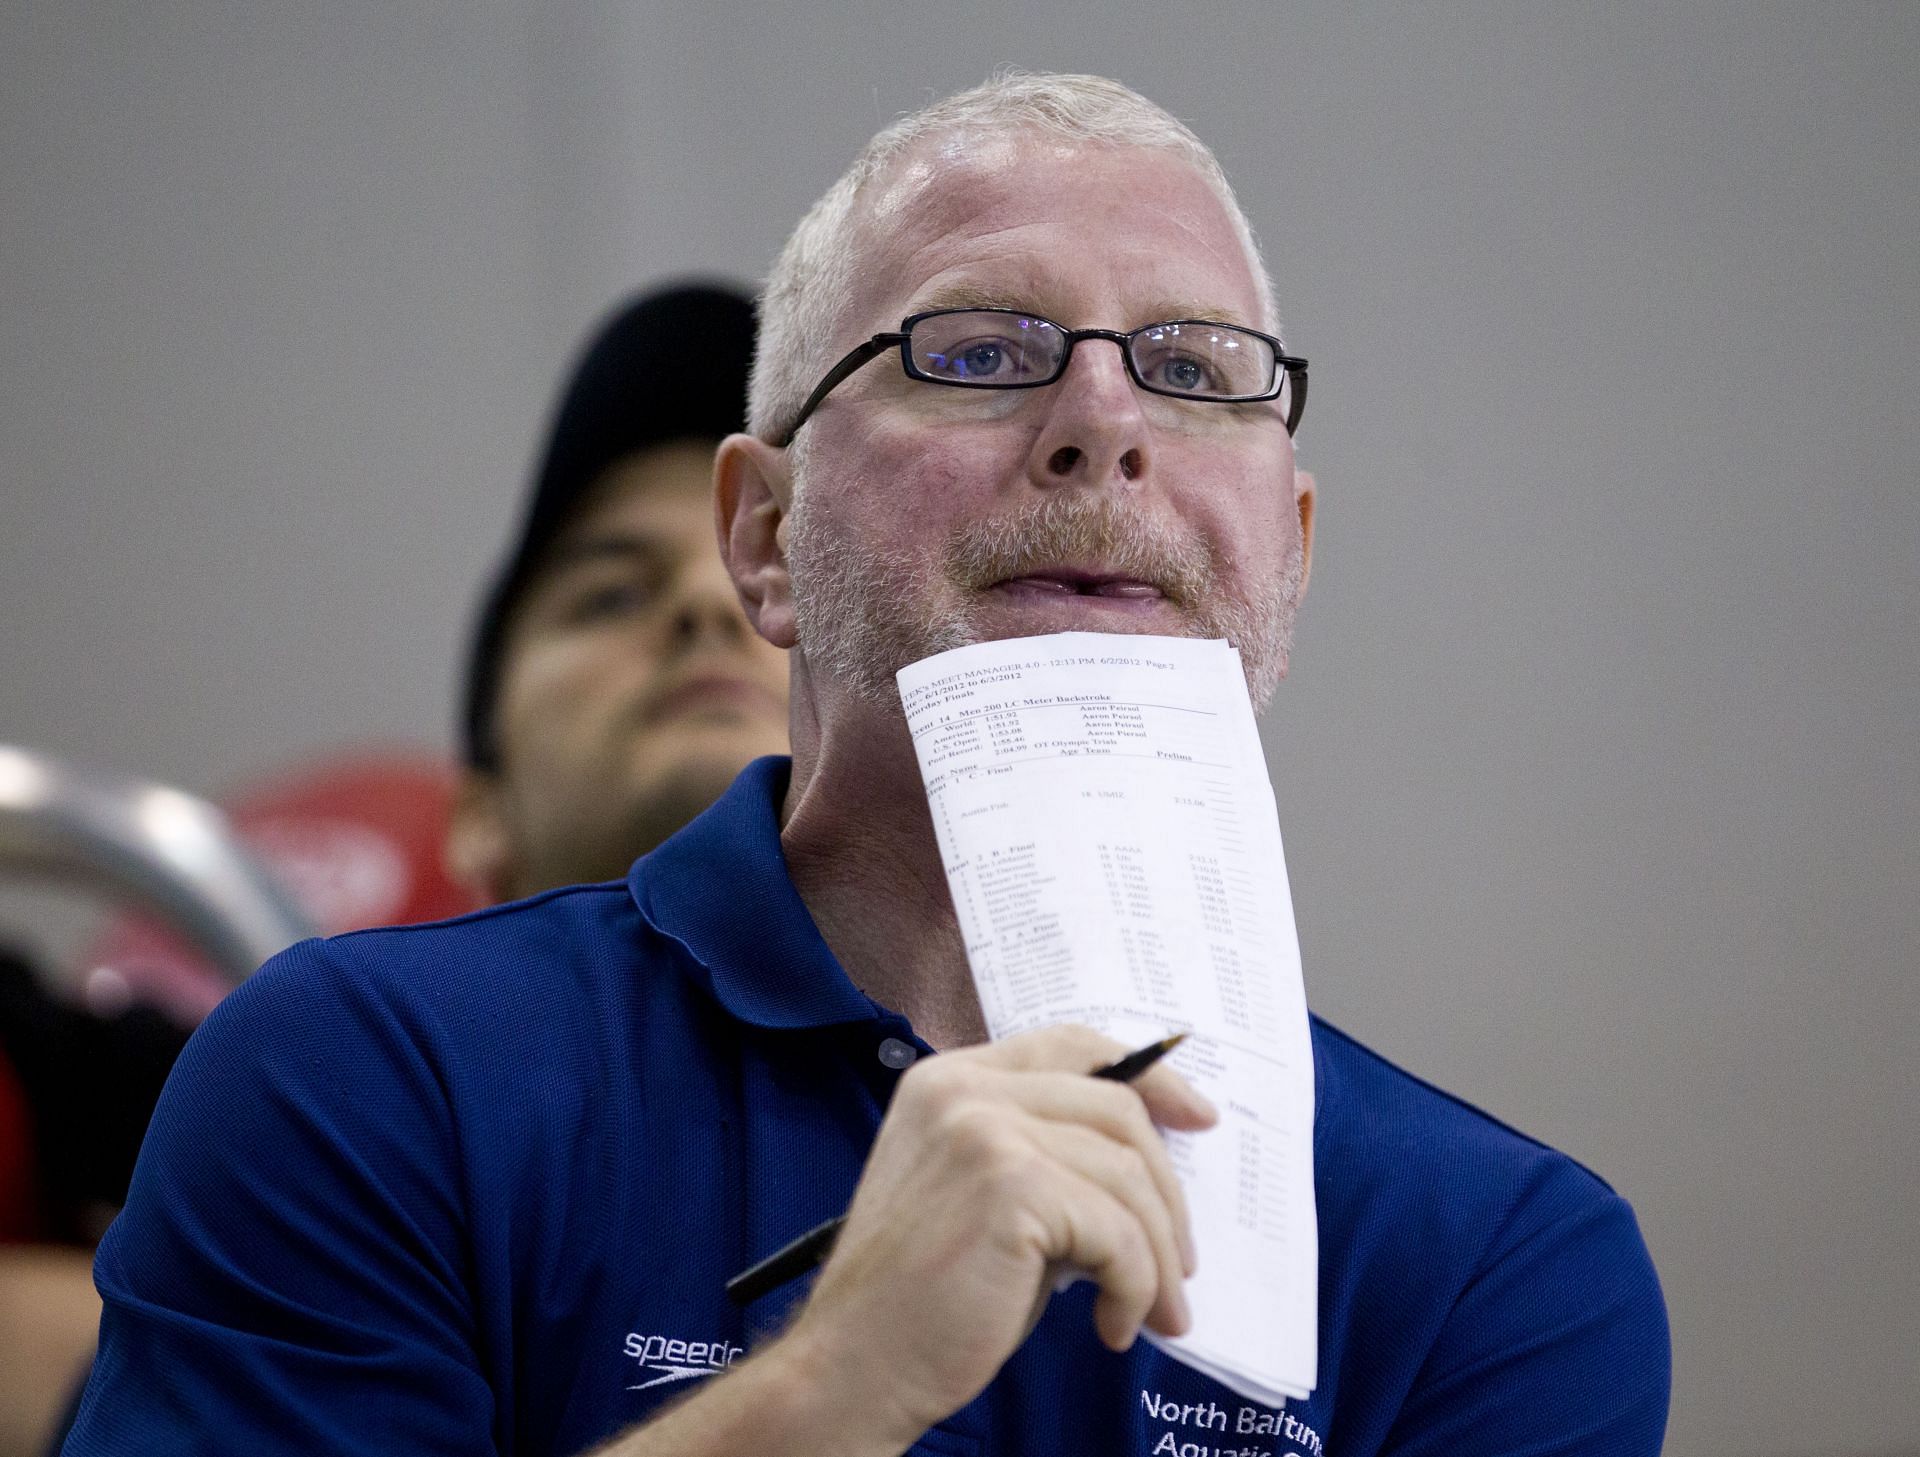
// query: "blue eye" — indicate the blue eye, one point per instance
point(998, 347)
point(1176, 372)
point(1184, 374)
point(979, 361)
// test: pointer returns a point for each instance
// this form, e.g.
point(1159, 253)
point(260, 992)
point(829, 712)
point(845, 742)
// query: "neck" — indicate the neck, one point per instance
point(859, 843)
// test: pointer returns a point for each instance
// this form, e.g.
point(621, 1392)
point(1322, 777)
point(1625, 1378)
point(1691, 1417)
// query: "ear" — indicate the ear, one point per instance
point(1303, 494)
point(752, 500)
point(478, 852)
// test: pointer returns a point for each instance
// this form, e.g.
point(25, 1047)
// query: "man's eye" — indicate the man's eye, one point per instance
point(1182, 372)
point(982, 359)
point(616, 599)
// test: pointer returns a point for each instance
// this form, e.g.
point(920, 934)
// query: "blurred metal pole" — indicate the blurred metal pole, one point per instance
point(166, 848)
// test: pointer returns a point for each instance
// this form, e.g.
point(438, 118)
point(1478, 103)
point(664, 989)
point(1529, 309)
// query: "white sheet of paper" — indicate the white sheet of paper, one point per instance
point(1109, 836)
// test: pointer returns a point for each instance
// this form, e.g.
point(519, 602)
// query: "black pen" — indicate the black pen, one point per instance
point(794, 1259)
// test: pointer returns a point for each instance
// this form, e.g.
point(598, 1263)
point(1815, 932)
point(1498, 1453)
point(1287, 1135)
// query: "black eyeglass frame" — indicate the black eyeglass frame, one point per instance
point(1286, 367)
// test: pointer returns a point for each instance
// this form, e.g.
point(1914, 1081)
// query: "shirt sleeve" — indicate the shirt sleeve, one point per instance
point(1558, 1346)
point(287, 1275)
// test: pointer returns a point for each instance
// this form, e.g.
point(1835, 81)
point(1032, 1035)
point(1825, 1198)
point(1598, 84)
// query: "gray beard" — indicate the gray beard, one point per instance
point(860, 619)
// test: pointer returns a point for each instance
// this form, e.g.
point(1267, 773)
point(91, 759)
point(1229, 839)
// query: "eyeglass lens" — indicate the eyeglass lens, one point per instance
point(994, 349)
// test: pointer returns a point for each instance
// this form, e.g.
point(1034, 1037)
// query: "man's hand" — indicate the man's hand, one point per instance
point(998, 1168)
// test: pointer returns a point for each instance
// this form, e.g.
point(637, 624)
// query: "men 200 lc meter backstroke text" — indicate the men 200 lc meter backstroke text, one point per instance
point(461, 1188)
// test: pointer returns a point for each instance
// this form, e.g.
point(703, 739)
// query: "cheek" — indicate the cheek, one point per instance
point(561, 691)
point(912, 484)
point(1250, 520)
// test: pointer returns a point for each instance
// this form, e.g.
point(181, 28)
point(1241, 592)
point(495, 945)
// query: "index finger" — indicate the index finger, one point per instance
point(1172, 1101)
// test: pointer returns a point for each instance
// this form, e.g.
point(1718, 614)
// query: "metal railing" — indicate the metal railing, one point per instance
point(161, 846)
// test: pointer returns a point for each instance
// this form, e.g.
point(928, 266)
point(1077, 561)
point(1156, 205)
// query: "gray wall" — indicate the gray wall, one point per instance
point(1598, 763)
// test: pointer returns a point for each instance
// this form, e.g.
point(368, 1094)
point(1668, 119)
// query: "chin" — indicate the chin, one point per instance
point(666, 785)
point(707, 745)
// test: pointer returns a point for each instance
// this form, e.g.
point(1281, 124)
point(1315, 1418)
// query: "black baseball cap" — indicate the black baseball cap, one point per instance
point(667, 365)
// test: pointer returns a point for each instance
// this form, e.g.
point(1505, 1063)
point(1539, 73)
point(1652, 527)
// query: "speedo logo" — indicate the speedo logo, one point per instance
point(664, 1359)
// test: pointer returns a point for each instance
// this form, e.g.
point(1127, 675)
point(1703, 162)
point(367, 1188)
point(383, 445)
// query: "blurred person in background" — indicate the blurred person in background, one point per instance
point(615, 688)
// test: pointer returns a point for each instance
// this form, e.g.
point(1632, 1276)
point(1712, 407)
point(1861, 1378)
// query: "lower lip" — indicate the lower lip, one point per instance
point(1029, 593)
point(732, 698)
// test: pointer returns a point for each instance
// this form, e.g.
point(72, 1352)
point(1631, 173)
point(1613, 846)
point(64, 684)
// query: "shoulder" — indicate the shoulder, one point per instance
point(578, 931)
point(1396, 1134)
point(502, 971)
point(1487, 1274)
point(1459, 1189)
point(452, 1021)
point(452, 1060)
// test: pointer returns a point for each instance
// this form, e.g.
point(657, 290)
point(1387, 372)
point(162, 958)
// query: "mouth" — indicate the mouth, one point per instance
point(1068, 582)
point(1079, 592)
point(713, 694)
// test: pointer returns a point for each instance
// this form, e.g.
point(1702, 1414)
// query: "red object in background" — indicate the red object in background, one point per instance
point(357, 840)
point(19, 1206)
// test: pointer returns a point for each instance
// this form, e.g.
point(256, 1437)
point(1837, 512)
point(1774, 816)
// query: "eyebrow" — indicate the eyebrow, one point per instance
point(1203, 314)
point(607, 546)
point(967, 296)
point(973, 296)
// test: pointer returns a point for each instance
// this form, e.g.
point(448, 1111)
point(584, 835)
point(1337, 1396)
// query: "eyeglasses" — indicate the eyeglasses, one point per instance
point(1004, 349)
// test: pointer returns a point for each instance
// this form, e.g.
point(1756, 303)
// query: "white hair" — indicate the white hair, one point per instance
point(810, 282)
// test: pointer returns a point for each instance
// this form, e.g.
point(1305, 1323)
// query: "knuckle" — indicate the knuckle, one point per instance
point(1124, 1109)
point(913, 1094)
point(1079, 1038)
point(1130, 1165)
point(1136, 1271)
point(1023, 1225)
point(928, 1077)
point(964, 1125)
point(1125, 1240)
point(1139, 1121)
point(1140, 1241)
point(977, 1137)
point(1072, 1042)
point(1011, 1167)
point(935, 1093)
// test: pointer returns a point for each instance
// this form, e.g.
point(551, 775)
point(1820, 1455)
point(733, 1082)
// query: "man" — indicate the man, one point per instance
point(614, 688)
point(518, 1156)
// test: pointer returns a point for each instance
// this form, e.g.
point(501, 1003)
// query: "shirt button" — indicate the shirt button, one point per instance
point(897, 1054)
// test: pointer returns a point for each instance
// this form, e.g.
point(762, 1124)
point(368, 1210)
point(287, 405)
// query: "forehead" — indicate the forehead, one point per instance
point(660, 489)
point(1092, 234)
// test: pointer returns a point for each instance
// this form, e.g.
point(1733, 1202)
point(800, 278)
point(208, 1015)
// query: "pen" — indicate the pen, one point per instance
point(794, 1259)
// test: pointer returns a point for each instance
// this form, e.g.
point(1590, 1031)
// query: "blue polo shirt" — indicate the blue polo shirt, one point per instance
point(477, 1186)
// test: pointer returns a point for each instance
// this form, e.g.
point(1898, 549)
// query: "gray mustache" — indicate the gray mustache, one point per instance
point(1080, 529)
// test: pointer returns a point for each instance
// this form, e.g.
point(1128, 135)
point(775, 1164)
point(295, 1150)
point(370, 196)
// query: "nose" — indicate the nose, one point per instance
point(1095, 432)
point(706, 610)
